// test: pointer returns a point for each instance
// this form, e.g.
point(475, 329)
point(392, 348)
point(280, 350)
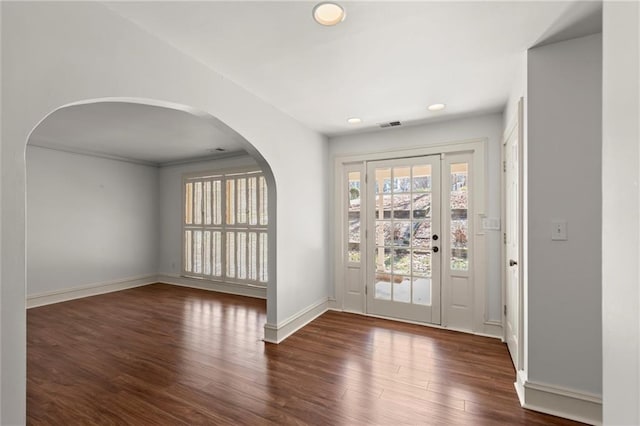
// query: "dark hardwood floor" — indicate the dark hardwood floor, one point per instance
point(165, 355)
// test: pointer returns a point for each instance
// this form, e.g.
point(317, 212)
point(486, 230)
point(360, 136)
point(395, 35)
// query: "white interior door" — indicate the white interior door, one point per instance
point(512, 239)
point(403, 252)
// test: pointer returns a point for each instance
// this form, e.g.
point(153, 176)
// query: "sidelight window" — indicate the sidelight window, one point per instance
point(459, 230)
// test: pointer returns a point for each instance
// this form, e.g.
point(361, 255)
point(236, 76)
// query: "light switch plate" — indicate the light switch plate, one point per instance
point(491, 223)
point(559, 230)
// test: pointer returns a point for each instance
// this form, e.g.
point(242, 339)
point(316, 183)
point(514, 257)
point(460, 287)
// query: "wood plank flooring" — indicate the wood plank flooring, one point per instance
point(165, 355)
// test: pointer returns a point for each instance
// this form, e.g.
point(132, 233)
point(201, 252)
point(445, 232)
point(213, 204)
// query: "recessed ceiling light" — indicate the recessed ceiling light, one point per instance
point(436, 107)
point(354, 120)
point(328, 14)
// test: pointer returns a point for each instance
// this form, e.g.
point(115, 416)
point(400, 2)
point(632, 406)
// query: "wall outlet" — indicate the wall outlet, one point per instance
point(559, 230)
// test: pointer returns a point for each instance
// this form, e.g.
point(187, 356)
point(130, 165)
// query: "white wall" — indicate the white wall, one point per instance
point(489, 126)
point(57, 53)
point(621, 213)
point(89, 220)
point(518, 90)
point(564, 182)
point(170, 184)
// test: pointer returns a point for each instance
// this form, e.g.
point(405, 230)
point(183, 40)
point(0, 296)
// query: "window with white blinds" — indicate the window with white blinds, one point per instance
point(225, 227)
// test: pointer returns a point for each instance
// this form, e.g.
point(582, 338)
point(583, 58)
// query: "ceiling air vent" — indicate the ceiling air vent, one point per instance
point(390, 124)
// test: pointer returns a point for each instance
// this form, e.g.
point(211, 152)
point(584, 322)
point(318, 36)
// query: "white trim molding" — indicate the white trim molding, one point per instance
point(278, 333)
point(219, 286)
point(94, 289)
point(558, 401)
point(476, 149)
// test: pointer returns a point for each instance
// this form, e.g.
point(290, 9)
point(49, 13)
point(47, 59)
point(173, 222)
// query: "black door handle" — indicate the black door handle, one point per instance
point(435, 249)
point(512, 262)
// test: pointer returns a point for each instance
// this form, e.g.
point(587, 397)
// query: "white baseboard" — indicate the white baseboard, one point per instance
point(332, 304)
point(278, 333)
point(219, 286)
point(557, 401)
point(492, 329)
point(94, 289)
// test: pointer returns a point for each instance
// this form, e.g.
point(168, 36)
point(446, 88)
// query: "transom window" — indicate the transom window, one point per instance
point(225, 227)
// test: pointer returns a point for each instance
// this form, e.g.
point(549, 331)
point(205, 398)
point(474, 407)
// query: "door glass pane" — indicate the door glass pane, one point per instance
point(383, 286)
point(383, 232)
point(401, 289)
point(188, 204)
point(383, 181)
point(197, 203)
point(459, 204)
point(383, 206)
point(402, 233)
point(421, 234)
point(383, 259)
point(421, 263)
point(401, 262)
point(421, 205)
point(421, 291)
point(422, 178)
point(402, 206)
point(401, 179)
point(353, 191)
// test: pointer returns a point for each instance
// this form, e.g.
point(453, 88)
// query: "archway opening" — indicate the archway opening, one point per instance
point(128, 158)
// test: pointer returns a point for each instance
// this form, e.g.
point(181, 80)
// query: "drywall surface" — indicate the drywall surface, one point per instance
point(486, 126)
point(89, 220)
point(518, 90)
point(621, 213)
point(564, 184)
point(54, 54)
point(171, 205)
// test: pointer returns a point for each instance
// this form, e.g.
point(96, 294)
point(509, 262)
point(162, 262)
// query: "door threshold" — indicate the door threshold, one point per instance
point(425, 324)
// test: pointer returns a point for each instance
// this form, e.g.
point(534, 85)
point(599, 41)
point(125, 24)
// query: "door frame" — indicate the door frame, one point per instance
point(477, 147)
point(516, 124)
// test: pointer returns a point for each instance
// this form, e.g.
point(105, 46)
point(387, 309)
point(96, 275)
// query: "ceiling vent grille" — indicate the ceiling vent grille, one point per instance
point(390, 124)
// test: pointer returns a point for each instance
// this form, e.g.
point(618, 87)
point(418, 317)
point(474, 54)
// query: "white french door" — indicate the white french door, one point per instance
point(403, 250)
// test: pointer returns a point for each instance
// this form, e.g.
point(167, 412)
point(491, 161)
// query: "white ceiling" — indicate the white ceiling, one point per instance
point(142, 133)
point(387, 61)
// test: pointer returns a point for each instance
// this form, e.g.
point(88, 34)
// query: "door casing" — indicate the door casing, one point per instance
point(477, 149)
point(516, 125)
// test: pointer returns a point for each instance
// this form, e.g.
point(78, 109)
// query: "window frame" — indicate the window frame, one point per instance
point(260, 230)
